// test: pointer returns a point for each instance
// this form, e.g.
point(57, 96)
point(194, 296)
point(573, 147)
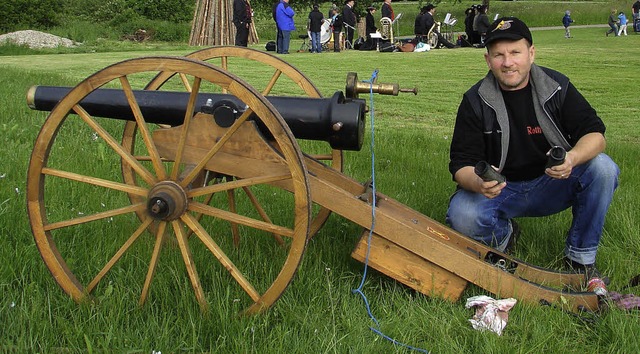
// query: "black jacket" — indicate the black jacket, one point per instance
point(315, 21)
point(348, 16)
point(481, 130)
point(241, 12)
point(370, 24)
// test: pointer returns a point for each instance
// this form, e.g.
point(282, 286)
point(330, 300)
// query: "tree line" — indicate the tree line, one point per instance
point(45, 14)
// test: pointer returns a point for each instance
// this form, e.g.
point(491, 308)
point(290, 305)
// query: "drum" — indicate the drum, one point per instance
point(325, 32)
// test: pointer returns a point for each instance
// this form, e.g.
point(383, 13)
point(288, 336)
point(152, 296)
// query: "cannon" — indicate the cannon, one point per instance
point(336, 120)
point(242, 192)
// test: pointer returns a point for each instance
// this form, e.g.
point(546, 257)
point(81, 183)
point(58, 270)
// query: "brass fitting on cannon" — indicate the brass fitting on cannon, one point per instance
point(355, 87)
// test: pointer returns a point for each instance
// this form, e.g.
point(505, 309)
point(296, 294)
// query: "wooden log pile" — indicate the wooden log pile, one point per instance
point(213, 24)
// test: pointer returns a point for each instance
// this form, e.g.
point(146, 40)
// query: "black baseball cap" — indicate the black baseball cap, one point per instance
point(508, 28)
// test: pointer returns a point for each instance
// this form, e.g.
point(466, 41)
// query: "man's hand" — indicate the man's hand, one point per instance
point(469, 180)
point(491, 189)
point(588, 147)
point(562, 171)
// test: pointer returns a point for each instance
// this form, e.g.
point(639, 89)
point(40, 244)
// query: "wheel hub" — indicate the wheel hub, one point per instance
point(167, 201)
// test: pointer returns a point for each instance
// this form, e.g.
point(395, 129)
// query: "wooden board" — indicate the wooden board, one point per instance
point(409, 268)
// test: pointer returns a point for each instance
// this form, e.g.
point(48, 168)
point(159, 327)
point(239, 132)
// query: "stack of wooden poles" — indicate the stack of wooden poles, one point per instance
point(213, 24)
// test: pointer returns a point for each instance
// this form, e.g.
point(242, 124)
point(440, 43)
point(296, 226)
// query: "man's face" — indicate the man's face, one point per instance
point(510, 62)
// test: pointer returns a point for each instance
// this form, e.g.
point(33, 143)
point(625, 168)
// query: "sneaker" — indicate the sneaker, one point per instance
point(589, 270)
point(513, 239)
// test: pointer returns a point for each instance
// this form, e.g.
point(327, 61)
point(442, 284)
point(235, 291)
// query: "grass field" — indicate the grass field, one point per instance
point(318, 312)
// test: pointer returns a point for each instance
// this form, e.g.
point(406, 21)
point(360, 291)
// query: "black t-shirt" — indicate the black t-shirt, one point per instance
point(528, 146)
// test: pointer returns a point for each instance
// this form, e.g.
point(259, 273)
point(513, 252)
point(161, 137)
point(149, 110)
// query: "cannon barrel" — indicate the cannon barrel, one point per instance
point(336, 120)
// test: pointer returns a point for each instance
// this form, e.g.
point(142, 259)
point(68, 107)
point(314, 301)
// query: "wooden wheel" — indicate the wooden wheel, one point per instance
point(268, 75)
point(86, 226)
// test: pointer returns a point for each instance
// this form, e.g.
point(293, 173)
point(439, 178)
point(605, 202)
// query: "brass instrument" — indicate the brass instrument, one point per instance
point(432, 35)
point(386, 29)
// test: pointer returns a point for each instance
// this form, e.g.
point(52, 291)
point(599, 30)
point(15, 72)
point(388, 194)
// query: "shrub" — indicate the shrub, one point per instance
point(29, 13)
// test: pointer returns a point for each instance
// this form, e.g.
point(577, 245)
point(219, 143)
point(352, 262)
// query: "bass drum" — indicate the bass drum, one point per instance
point(325, 32)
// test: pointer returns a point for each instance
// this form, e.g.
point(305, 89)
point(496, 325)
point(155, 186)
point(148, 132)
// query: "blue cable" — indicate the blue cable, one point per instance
point(374, 75)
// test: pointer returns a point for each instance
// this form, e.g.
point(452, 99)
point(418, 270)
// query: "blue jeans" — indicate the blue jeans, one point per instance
point(316, 46)
point(588, 191)
point(286, 37)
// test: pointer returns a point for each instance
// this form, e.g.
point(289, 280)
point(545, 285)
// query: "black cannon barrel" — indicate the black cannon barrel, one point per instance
point(336, 120)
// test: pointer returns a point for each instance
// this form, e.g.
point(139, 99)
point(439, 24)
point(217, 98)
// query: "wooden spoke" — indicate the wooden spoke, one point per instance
point(260, 209)
point(216, 147)
point(231, 198)
point(238, 183)
point(151, 271)
point(185, 127)
point(189, 263)
point(185, 82)
point(221, 256)
point(94, 217)
point(96, 181)
point(146, 135)
point(119, 254)
point(239, 219)
point(126, 156)
point(224, 63)
point(272, 82)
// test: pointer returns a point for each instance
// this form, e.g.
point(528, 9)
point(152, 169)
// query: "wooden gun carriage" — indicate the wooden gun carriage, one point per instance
point(206, 161)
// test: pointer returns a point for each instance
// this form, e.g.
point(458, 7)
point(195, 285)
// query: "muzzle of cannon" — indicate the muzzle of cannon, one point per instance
point(336, 120)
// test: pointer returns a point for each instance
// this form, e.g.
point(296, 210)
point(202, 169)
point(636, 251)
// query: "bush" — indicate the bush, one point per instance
point(29, 13)
point(83, 31)
point(164, 31)
point(175, 11)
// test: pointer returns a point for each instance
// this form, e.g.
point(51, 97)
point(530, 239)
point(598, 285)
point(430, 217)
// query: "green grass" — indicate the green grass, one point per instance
point(318, 312)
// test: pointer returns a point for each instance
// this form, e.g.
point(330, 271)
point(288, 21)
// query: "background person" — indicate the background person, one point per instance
point(314, 26)
point(566, 22)
point(349, 19)
point(242, 14)
point(429, 22)
point(279, 32)
point(387, 10)
point(336, 28)
point(481, 23)
point(370, 27)
point(622, 19)
point(419, 26)
point(511, 119)
point(612, 21)
point(635, 10)
point(284, 19)
point(470, 15)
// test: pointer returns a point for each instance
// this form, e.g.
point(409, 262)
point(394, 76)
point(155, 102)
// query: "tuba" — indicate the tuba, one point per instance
point(386, 30)
point(432, 36)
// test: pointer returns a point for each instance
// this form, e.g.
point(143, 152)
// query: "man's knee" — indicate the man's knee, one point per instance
point(603, 169)
point(465, 215)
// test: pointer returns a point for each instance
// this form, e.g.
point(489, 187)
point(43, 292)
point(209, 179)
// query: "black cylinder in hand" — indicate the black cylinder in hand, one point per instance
point(556, 156)
point(485, 171)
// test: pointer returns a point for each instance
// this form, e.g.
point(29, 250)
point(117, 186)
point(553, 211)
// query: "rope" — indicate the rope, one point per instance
point(359, 291)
